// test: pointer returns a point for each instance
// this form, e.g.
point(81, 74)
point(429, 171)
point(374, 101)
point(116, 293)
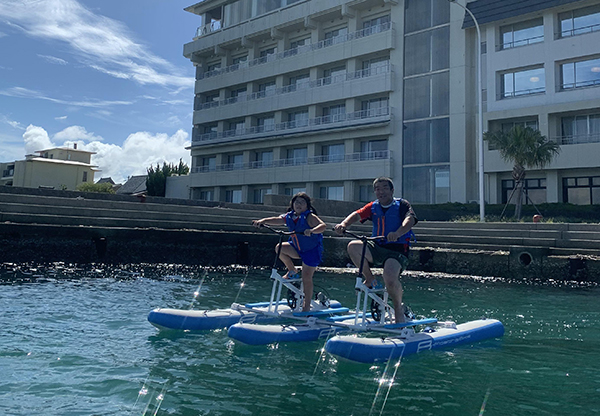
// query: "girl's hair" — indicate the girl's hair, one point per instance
point(304, 196)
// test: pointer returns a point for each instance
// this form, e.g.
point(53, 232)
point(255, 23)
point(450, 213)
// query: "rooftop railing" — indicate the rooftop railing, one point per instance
point(289, 127)
point(318, 83)
point(300, 50)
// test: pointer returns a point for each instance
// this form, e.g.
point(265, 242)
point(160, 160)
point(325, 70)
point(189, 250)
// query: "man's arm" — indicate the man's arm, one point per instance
point(347, 222)
point(408, 222)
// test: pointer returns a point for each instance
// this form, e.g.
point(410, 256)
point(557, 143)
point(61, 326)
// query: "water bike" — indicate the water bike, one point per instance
point(375, 317)
point(276, 308)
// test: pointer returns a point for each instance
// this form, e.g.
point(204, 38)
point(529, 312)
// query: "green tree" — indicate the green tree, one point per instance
point(156, 182)
point(103, 188)
point(525, 148)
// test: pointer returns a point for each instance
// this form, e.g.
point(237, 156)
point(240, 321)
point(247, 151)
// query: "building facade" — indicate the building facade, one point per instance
point(56, 168)
point(323, 96)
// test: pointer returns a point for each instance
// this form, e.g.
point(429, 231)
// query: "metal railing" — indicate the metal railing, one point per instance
point(338, 120)
point(318, 83)
point(522, 93)
point(578, 31)
point(580, 84)
point(578, 139)
point(299, 50)
point(297, 161)
point(522, 42)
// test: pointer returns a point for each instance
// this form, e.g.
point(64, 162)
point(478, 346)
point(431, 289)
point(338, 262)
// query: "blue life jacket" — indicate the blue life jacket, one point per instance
point(383, 224)
point(299, 241)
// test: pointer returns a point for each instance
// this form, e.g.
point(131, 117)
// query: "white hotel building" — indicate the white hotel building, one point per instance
point(325, 95)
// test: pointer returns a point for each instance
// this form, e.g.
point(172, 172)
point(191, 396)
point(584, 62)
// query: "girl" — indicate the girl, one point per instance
point(305, 244)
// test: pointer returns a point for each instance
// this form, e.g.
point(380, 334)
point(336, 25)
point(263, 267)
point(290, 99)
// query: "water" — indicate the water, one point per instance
point(77, 342)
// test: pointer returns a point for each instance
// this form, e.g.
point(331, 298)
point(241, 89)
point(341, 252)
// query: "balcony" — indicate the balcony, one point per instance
point(578, 139)
point(357, 118)
point(319, 83)
point(297, 51)
point(315, 160)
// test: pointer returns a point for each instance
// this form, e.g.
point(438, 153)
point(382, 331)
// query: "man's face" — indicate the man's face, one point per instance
point(384, 194)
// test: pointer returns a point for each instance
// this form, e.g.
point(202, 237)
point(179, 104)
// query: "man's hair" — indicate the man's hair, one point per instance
point(384, 179)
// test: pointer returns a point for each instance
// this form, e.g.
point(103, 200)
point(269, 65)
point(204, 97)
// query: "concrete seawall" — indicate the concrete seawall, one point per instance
point(49, 226)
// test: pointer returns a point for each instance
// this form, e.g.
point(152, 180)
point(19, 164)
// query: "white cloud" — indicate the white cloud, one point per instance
point(36, 138)
point(60, 118)
point(21, 92)
point(14, 124)
point(53, 59)
point(138, 152)
point(97, 41)
point(76, 133)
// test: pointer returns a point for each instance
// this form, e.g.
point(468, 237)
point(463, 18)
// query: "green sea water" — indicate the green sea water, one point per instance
point(76, 341)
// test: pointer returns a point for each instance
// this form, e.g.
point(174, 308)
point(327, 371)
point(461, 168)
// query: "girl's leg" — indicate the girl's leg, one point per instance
point(287, 254)
point(307, 281)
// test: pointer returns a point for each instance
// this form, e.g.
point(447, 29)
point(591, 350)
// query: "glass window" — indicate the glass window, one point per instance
point(365, 193)
point(580, 74)
point(375, 66)
point(580, 129)
point(206, 195)
point(427, 51)
point(333, 152)
point(580, 21)
point(293, 190)
point(295, 44)
point(213, 66)
point(299, 82)
point(374, 149)
point(298, 119)
point(297, 156)
point(210, 128)
point(334, 113)
point(259, 195)
point(522, 33)
point(527, 82)
point(239, 59)
point(376, 25)
point(238, 126)
point(333, 75)
point(534, 191)
point(236, 161)
point(266, 123)
point(234, 196)
point(335, 36)
point(422, 14)
point(263, 159)
point(427, 184)
point(208, 164)
point(266, 89)
point(427, 141)
point(333, 193)
point(375, 107)
point(427, 96)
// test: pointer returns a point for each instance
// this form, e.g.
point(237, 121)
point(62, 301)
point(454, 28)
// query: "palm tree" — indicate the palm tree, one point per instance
point(525, 148)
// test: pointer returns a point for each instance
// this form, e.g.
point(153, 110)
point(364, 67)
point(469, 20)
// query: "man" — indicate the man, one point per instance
point(394, 219)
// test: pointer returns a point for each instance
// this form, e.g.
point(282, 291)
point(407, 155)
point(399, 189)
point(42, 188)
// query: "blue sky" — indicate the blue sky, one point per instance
point(109, 75)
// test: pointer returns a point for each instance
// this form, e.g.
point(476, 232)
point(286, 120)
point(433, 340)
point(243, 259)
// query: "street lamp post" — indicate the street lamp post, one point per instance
point(480, 121)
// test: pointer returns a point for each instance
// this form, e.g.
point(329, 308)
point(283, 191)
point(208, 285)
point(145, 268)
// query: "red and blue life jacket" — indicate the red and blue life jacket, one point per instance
point(385, 223)
point(299, 241)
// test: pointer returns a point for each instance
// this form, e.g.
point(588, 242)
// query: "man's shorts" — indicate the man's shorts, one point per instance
point(381, 254)
point(311, 257)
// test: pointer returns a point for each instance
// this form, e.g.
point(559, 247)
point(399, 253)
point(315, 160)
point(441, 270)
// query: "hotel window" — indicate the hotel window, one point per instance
point(214, 66)
point(508, 126)
point(298, 119)
point(265, 123)
point(423, 14)
point(373, 149)
point(332, 153)
point(520, 83)
point(580, 129)
point(267, 54)
point(237, 127)
point(298, 82)
point(535, 191)
point(375, 66)
point(580, 74)
point(428, 51)
point(375, 107)
point(335, 36)
point(427, 96)
point(365, 193)
point(580, 21)
point(233, 195)
point(235, 162)
point(206, 195)
point(376, 25)
point(297, 156)
point(333, 193)
point(210, 128)
point(239, 59)
point(208, 164)
point(212, 98)
point(238, 94)
point(259, 195)
point(295, 44)
point(263, 159)
point(582, 190)
point(293, 190)
point(427, 141)
point(333, 75)
point(266, 89)
point(427, 184)
point(521, 34)
point(85, 175)
point(334, 113)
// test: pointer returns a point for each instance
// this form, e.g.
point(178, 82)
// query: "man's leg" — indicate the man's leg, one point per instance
point(391, 274)
point(355, 248)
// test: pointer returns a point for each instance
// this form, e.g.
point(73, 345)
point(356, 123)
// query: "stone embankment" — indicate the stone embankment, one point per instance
point(48, 226)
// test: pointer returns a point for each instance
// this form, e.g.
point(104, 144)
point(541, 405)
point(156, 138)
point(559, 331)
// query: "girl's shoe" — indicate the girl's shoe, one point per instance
point(292, 276)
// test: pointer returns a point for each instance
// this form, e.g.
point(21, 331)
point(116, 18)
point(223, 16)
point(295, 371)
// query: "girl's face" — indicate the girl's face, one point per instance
point(300, 205)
